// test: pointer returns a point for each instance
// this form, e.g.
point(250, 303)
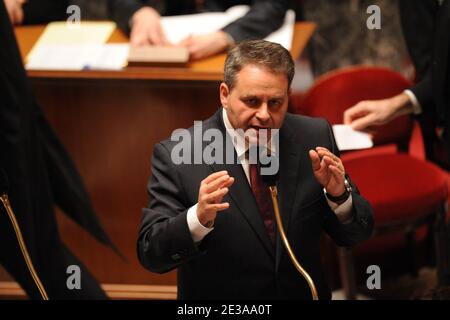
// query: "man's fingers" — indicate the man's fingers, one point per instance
point(363, 122)
point(325, 152)
point(214, 176)
point(227, 183)
point(215, 184)
point(218, 206)
point(216, 196)
point(315, 160)
point(332, 163)
point(337, 173)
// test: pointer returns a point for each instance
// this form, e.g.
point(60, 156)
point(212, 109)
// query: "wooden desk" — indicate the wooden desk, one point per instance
point(109, 122)
point(209, 69)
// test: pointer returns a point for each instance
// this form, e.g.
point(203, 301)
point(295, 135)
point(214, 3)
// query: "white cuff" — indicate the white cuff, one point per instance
point(343, 211)
point(417, 108)
point(198, 231)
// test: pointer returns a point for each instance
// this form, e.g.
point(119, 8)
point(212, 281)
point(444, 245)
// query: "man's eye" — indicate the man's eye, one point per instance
point(275, 103)
point(251, 102)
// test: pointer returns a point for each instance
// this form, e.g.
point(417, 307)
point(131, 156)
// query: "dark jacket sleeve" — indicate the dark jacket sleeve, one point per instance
point(164, 240)
point(263, 18)
point(360, 228)
point(418, 18)
point(121, 12)
point(44, 11)
point(423, 90)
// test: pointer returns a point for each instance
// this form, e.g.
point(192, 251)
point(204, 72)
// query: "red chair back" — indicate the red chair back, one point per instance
point(338, 90)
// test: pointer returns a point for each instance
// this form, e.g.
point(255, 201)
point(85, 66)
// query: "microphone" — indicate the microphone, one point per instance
point(4, 188)
point(271, 181)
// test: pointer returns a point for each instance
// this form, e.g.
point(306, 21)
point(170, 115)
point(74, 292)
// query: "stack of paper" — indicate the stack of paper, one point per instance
point(65, 46)
point(177, 28)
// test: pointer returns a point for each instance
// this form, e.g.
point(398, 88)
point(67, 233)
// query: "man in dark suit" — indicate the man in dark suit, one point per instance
point(426, 26)
point(143, 18)
point(214, 220)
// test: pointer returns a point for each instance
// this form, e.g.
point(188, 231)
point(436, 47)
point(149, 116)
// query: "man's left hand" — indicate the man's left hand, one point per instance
point(205, 45)
point(328, 170)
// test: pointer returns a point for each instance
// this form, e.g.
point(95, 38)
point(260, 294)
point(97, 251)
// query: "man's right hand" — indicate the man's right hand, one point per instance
point(212, 190)
point(15, 12)
point(146, 28)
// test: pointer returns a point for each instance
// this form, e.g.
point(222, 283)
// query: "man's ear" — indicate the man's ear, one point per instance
point(224, 93)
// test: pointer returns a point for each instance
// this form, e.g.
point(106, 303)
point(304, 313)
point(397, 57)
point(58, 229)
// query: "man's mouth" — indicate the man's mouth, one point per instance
point(259, 128)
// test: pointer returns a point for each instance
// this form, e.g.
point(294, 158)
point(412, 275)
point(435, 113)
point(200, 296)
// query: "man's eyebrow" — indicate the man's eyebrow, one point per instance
point(277, 98)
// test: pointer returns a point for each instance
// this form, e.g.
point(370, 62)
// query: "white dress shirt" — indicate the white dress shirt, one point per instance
point(198, 231)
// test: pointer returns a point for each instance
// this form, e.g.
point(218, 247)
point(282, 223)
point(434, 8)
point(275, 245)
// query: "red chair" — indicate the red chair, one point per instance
point(405, 192)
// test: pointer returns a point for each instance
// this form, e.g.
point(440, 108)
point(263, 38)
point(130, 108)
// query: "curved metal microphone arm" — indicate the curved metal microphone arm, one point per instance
point(298, 266)
point(4, 199)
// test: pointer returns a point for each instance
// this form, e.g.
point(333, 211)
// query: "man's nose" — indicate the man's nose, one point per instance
point(263, 114)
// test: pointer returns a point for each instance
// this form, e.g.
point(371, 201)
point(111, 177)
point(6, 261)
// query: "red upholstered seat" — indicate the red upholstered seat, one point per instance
point(404, 191)
point(398, 187)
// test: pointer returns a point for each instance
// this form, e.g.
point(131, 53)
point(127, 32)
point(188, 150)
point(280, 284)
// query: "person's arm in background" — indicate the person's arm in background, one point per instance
point(141, 21)
point(418, 99)
point(263, 18)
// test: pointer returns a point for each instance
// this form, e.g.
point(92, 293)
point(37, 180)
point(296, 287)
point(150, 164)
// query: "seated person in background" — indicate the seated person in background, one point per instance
point(430, 96)
point(143, 18)
point(36, 11)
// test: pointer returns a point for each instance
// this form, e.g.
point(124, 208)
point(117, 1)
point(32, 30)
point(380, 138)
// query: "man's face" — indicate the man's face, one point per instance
point(258, 100)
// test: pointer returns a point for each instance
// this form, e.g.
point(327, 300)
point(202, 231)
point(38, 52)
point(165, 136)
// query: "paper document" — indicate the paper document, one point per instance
point(349, 139)
point(66, 33)
point(177, 28)
point(79, 57)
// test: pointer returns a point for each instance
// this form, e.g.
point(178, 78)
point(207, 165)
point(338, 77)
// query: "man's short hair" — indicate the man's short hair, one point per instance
point(263, 53)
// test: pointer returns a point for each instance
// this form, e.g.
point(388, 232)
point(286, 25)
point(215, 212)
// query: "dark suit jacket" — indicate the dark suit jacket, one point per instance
point(44, 11)
point(237, 259)
point(427, 31)
point(264, 17)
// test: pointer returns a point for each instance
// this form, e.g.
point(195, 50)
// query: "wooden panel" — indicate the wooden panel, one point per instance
point(11, 290)
point(110, 128)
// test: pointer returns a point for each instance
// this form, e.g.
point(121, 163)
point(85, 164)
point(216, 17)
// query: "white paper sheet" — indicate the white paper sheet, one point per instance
point(67, 33)
point(349, 139)
point(177, 28)
point(79, 57)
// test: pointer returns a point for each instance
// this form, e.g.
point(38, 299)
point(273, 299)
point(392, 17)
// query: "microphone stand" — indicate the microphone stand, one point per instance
point(298, 266)
point(4, 199)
